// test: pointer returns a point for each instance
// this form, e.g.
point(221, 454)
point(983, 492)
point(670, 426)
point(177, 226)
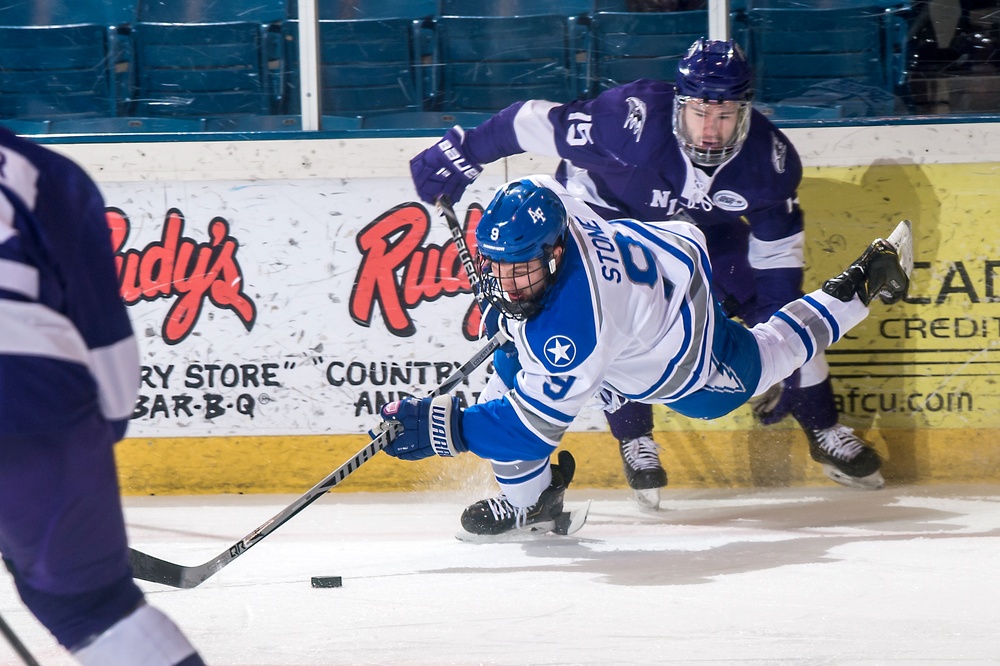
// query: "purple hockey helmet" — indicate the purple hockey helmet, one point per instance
point(712, 76)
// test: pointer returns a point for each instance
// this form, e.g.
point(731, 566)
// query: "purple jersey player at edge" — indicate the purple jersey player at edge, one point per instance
point(69, 377)
point(648, 150)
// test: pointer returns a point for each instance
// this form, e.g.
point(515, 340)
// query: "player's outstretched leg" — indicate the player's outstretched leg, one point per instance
point(497, 515)
point(645, 474)
point(883, 270)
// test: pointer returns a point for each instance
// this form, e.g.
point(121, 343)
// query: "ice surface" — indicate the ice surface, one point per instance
point(813, 576)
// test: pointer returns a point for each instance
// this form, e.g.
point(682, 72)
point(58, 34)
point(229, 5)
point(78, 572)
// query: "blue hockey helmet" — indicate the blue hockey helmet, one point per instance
point(714, 76)
point(523, 222)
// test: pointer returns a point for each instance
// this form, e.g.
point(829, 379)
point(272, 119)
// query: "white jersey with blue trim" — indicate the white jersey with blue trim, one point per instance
point(66, 344)
point(631, 311)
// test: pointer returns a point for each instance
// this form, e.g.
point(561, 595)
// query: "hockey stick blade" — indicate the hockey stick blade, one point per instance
point(153, 569)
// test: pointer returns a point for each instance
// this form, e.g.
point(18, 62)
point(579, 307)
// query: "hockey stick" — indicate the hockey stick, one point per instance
point(448, 211)
point(147, 567)
point(16, 643)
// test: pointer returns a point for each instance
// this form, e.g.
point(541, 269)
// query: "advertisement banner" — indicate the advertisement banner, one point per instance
point(291, 307)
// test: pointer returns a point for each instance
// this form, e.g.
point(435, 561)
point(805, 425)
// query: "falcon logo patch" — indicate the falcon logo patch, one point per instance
point(636, 118)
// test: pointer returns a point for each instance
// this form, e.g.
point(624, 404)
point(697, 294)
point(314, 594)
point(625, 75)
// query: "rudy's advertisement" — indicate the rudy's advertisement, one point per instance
point(290, 308)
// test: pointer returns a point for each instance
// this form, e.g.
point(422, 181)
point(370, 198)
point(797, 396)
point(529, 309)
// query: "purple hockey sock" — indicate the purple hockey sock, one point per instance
point(813, 406)
point(631, 420)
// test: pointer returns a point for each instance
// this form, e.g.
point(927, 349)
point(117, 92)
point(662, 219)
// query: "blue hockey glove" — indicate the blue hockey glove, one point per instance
point(444, 168)
point(431, 426)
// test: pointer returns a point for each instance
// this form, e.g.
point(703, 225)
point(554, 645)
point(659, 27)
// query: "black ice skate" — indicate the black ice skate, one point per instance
point(845, 457)
point(645, 474)
point(496, 515)
point(883, 270)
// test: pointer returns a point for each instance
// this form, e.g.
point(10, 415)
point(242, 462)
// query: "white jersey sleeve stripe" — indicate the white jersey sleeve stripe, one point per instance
point(782, 253)
point(31, 329)
point(116, 369)
point(533, 130)
point(19, 278)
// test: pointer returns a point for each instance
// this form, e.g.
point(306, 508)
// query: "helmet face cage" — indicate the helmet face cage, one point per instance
point(516, 239)
point(688, 137)
point(710, 74)
point(538, 275)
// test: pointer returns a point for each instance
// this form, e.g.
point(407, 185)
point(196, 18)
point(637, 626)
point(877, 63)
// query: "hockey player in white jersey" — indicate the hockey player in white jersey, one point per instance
point(623, 309)
point(69, 377)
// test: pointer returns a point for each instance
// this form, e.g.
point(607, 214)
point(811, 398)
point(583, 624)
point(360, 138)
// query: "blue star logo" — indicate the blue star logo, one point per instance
point(560, 351)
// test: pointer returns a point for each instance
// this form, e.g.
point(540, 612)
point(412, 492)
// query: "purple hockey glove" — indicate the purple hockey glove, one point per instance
point(444, 168)
point(431, 426)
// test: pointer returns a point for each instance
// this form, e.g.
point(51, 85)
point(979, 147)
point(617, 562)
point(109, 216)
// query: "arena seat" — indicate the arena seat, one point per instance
point(197, 58)
point(793, 49)
point(58, 71)
point(634, 45)
point(485, 63)
point(369, 9)
point(367, 66)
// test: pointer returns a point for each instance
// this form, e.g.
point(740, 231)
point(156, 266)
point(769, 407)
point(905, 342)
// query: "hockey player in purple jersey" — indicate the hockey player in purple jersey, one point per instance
point(69, 377)
point(623, 309)
point(648, 150)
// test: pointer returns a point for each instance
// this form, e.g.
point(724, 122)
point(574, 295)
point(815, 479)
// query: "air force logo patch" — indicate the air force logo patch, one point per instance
point(560, 351)
point(636, 118)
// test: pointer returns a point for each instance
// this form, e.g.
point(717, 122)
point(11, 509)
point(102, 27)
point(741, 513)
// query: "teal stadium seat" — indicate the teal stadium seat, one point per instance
point(576, 13)
point(485, 63)
point(369, 9)
point(634, 45)
point(366, 66)
point(206, 58)
point(63, 58)
point(797, 50)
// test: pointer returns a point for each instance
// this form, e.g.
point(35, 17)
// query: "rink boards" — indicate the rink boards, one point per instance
point(283, 290)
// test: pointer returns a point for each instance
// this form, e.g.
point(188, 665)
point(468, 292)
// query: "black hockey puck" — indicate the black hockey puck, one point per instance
point(327, 581)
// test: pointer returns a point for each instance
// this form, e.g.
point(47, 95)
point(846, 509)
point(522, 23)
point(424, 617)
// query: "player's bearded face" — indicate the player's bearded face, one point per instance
point(523, 281)
point(710, 125)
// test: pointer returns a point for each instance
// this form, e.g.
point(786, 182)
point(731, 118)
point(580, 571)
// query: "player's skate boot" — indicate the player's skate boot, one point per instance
point(497, 515)
point(645, 474)
point(883, 270)
point(845, 457)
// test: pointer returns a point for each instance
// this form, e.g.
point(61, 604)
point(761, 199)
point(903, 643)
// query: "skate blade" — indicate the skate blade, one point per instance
point(873, 481)
point(647, 498)
point(901, 240)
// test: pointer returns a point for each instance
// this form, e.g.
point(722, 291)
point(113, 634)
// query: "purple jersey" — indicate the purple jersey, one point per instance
point(66, 346)
point(621, 157)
